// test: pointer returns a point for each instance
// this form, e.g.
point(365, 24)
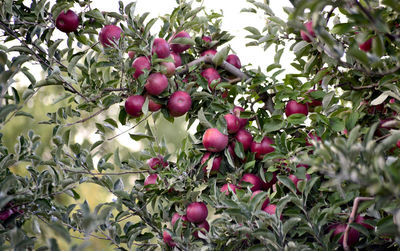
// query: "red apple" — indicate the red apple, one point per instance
point(208, 52)
point(179, 48)
point(352, 237)
point(204, 225)
point(109, 35)
point(153, 106)
point(169, 68)
point(134, 104)
point(156, 83)
point(67, 21)
point(253, 179)
point(161, 48)
point(262, 148)
point(271, 209)
point(244, 137)
point(214, 140)
point(211, 74)
point(196, 212)
point(177, 216)
point(5, 214)
point(366, 46)
point(179, 103)
point(360, 220)
point(131, 54)
point(206, 39)
point(177, 59)
point(168, 239)
point(268, 185)
point(232, 123)
point(215, 165)
point(392, 101)
point(225, 189)
point(156, 162)
point(231, 149)
point(293, 107)
point(234, 60)
point(237, 110)
point(314, 102)
point(140, 64)
point(266, 201)
point(398, 143)
point(296, 180)
point(151, 179)
point(308, 25)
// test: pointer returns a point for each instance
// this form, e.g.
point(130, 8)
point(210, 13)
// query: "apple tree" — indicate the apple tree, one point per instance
point(305, 158)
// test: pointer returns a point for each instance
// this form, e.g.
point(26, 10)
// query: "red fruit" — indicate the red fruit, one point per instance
point(262, 148)
point(270, 209)
point(131, 54)
point(156, 83)
point(109, 35)
point(169, 68)
point(211, 74)
point(179, 103)
point(177, 216)
point(196, 212)
point(204, 225)
point(153, 106)
point(253, 179)
point(266, 202)
point(293, 107)
point(296, 180)
point(268, 185)
point(179, 48)
point(244, 137)
point(206, 39)
point(208, 52)
point(398, 143)
point(215, 165)
point(232, 123)
point(161, 48)
point(392, 101)
point(225, 189)
point(134, 104)
point(314, 102)
point(177, 59)
point(237, 110)
point(231, 149)
point(360, 220)
point(5, 214)
point(214, 140)
point(168, 239)
point(352, 237)
point(156, 162)
point(308, 25)
point(234, 60)
point(67, 21)
point(140, 64)
point(366, 46)
point(151, 179)
point(303, 165)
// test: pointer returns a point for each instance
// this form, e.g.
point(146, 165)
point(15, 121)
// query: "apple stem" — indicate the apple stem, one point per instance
point(353, 215)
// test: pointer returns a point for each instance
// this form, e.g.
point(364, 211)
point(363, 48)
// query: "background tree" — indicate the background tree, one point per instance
point(305, 160)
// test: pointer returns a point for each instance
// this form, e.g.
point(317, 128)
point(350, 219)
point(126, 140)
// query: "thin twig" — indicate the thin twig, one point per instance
point(103, 174)
point(87, 118)
point(131, 127)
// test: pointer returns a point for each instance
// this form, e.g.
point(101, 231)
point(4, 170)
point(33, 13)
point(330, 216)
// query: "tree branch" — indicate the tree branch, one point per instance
point(87, 118)
point(131, 127)
point(101, 174)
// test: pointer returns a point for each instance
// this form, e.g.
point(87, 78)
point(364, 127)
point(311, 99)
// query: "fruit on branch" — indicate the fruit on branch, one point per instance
point(253, 179)
point(232, 123)
point(269, 184)
point(5, 214)
point(157, 162)
point(156, 83)
point(314, 102)
point(262, 148)
point(215, 165)
point(153, 106)
point(225, 189)
point(361, 220)
point(151, 179)
point(169, 68)
point(214, 140)
point(244, 137)
point(177, 59)
point(231, 149)
point(134, 104)
point(237, 110)
point(168, 239)
point(211, 74)
point(308, 25)
point(196, 212)
point(206, 39)
point(179, 103)
point(266, 201)
point(109, 35)
point(398, 143)
point(203, 225)
point(352, 236)
point(293, 107)
point(234, 60)
point(131, 54)
point(296, 180)
point(140, 64)
point(67, 21)
point(179, 48)
point(160, 48)
point(208, 52)
point(177, 216)
point(366, 46)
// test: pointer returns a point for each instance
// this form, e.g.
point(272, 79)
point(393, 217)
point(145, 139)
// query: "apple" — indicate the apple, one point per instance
point(266, 201)
point(296, 180)
point(140, 64)
point(392, 101)
point(268, 185)
point(179, 103)
point(153, 106)
point(352, 237)
point(215, 165)
point(398, 143)
point(234, 60)
point(169, 68)
point(204, 225)
point(214, 140)
point(206, 39)
point(244, 137)
point(177, 59)
point(67, 21)
point(360, 220)
point(211, 74)
point(225, 189)
point(270, 209)
point(366, 46)
point(160, 48)
point(208, 52)
point(110, 34)
point(151, 179)
point(196, 212)
point(134, 104)
point(293, 107)
point(156, 83)
point(308, 25)
point(156, 162)
point(262, 148)
point(168, 239)
point(303, 165)
point(314, 102)
point(179, 48)
point(253, 179)
point(177, 216)
point(232, 123)
point(237, 110)
point(131, 54)
point(5, 214)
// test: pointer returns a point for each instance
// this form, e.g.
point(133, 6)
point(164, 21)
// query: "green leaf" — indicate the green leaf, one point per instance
point(273, 124)
point(342, 28)
point(288, 183)
point(140, 136)
point(297, 118)
point(220, 56)
point(336, 124)
point(183, 40)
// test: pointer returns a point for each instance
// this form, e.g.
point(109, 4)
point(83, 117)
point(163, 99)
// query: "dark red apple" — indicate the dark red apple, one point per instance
point(296, 180)
point(234, 60)
point(352, 237)
point(232, 123)
point(134, 104)
point(179, 48)
point(196, 212)
point(225, 189)
point(177, 216)
point(206, 39)
point(314, 102)
point(293, 107)
point(366, 46)
point(203, 225)
point(262, 148)
point(131, 54)
point(211, 74)
point(177, 59)
point(268, 185)
point(5, 214)
point(140, 64)
point(214, 140)
point(308, 25)
point(179, 103)
point(160, 48)
point(215, 165)
point(153, 106)
point(67, 21)
point(208, 52)
point(266, 201)
point(169, 68)
point(398, 143)
point(244, 137)
point(156, 83)
point(168, 239)
point(157, 162)
point(361, 220)
point(109, 35)
point(151, 179)
point(237, 110)
point(253, 179)
point(231, 149)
